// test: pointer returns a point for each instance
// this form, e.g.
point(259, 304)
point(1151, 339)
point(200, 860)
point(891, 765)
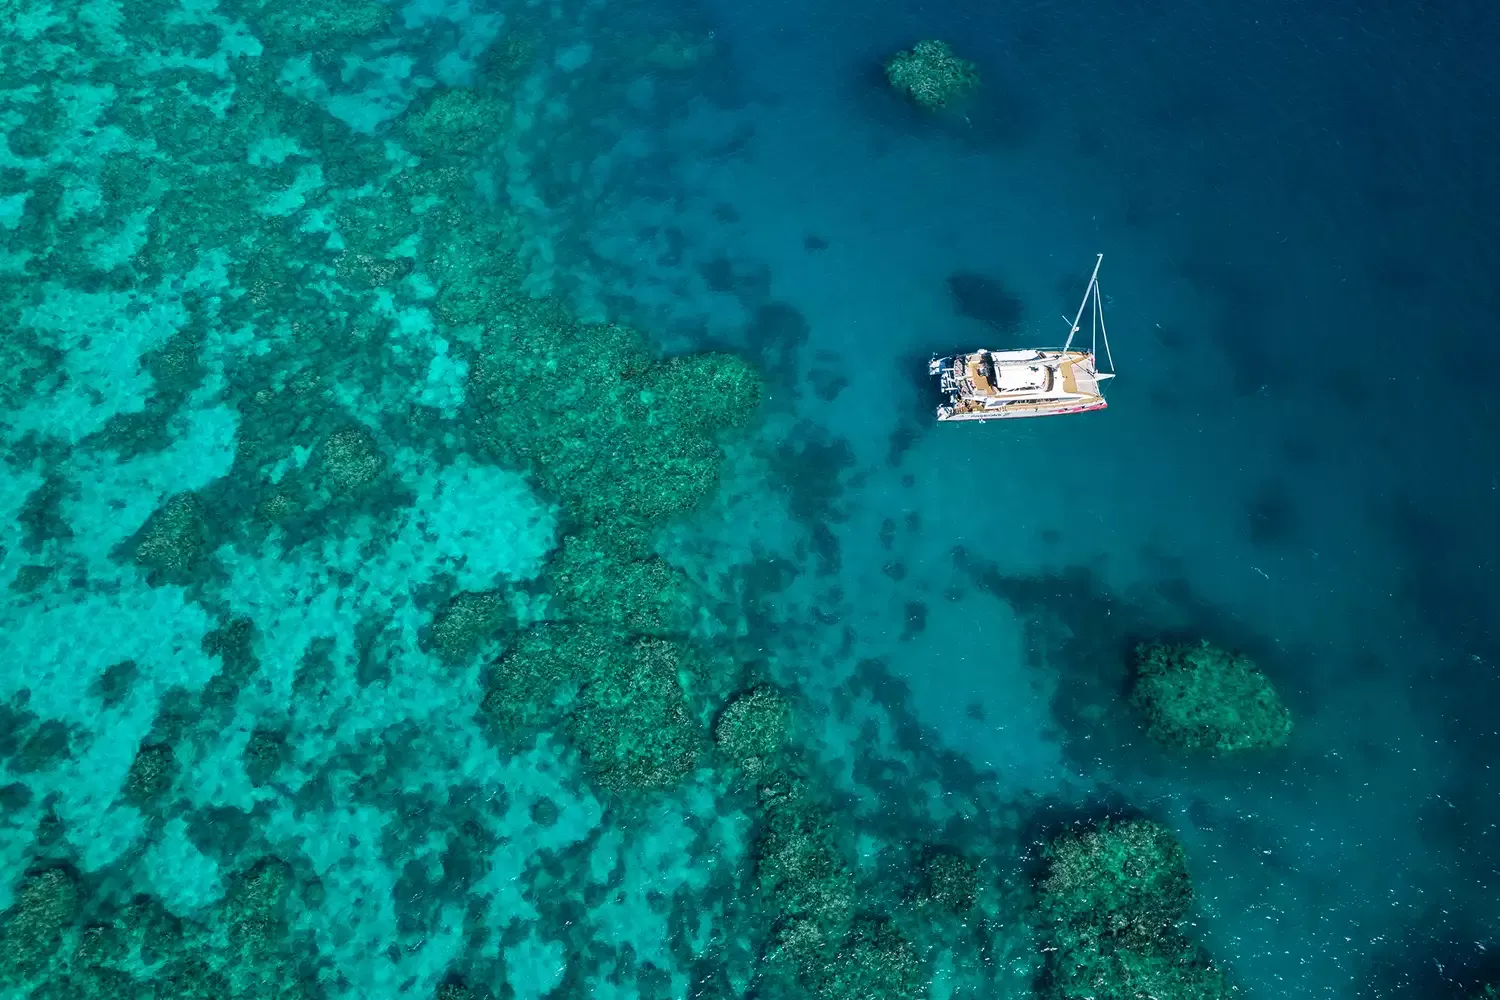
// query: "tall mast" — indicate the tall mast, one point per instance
point(1087, 292)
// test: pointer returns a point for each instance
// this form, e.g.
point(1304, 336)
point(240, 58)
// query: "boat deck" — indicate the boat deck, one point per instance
point(974, 369)
point(996, 384)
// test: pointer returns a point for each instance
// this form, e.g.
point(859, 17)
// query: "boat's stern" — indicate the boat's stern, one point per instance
point(946, 371)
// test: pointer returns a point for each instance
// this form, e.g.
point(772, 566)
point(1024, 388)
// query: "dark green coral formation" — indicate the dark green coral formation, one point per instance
point(31, 933)
point(949, 881)
point(450, 122)
point(349, 462)
point(872, 958)
point(1114, 900)
point(752, 729)
point(622, 439)
point(151, 774)
point(617, 698)
point(800, 864)
point(139, 950)
point(254, 907)
point(468, 621)
point(833, 936)
point(285, 25)
point(931, 74)
point(1201, 697)
point(832, 928)
point(265, 752)
point(611, 577)
point(173, 542)
point(624, 442)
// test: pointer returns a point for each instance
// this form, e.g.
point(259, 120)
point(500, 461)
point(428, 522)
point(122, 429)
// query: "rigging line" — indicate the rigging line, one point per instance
point(1099, 311)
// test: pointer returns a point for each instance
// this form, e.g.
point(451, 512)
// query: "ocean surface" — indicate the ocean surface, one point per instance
point(472, 522)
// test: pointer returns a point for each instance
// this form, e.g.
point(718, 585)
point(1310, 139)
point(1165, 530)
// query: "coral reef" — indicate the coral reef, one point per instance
point(468, 621)
point(611, 577)
point(949, 881)
point(631, 720)
point(139, 949)
point(931, 74)
point(1113, 900)
point(617, 698)
point(317, 477)
point(391, 687)
point(454, 122)
point(835, 933)
point(290, 25)
point(32, 932)
point(836, 927)
point(752, 729)
point(152, 774)
point(616, 436)
point(264, 755)
point(800, 864)
point(173, 542)
point(349, 462)
point(872, 959)
point(1201, 697)
point(823, 940)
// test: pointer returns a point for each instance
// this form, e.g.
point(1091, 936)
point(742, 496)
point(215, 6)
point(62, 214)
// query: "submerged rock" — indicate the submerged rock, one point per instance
point(264, 754)
point(617, 697)
point(623, 440)
point(1114, 899)
point(468, 621)
point(931, 74)
point(174, 540)
point(350, 462)
point(948, 881)
point(1200, 697)
point(753, 728)
point(32, 931)
point(151, 774)
point(1131, 875)
point(454, 121)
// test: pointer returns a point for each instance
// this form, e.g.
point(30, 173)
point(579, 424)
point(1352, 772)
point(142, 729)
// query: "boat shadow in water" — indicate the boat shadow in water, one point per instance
point(914, 412)
point(988, 300)
point(926, 395)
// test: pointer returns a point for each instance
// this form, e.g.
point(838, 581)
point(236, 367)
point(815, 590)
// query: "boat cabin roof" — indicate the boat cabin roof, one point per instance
point(1019, 378)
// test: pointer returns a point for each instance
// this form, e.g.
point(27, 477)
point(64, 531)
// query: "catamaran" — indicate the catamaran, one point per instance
point(1003, 385)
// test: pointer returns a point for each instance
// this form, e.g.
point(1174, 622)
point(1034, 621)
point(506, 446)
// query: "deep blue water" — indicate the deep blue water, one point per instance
point(1296, 207)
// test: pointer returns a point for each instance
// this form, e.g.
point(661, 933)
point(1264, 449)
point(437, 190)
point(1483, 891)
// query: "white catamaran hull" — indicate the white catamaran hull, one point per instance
point(944, 413)
point(1009, 385)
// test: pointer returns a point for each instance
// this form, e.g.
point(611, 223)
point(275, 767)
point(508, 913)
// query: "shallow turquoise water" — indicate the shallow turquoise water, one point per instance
point(308, 335)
